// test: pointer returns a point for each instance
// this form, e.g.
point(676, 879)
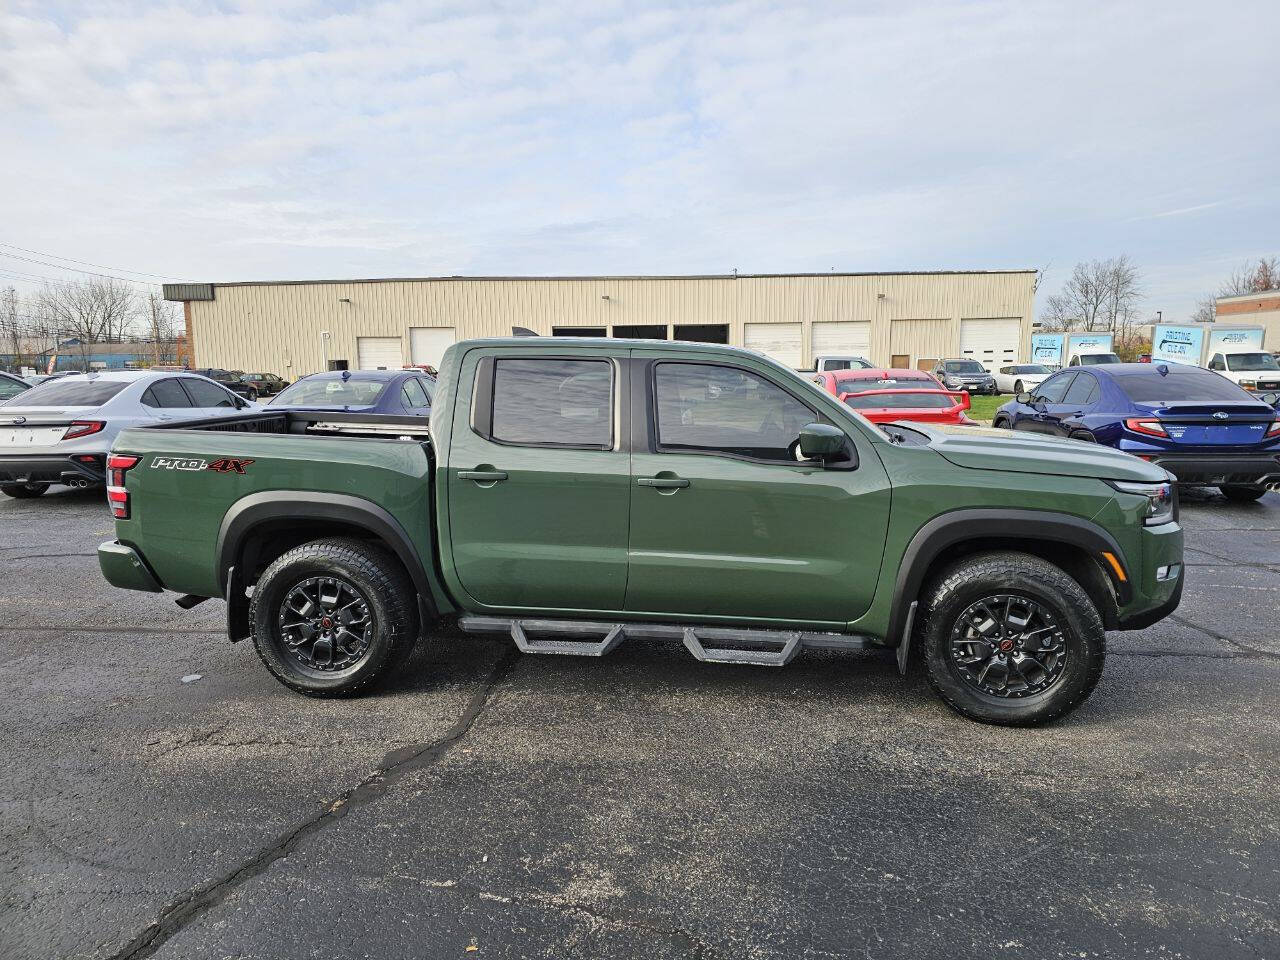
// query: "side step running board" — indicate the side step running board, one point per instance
point(582, 638)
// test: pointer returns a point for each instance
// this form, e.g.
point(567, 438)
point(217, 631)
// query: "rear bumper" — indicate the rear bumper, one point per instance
point(26, 468)
point(1217, 468)
point(124, 568)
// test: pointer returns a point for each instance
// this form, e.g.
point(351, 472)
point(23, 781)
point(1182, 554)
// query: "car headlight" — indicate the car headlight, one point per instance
point(1249, 384)
point(1161, 502)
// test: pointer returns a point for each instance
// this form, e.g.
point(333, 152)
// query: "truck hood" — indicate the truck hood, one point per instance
point(982, 448)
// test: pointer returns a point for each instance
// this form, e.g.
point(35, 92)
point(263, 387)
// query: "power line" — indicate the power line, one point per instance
point(58, 266)
point(89, 263)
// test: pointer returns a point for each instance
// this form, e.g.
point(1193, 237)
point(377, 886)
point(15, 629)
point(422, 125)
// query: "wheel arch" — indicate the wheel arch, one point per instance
point(1071, 543)
point(263, 526)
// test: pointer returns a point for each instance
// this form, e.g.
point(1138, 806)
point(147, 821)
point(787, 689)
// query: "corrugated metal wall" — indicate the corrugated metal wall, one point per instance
point(277, 327)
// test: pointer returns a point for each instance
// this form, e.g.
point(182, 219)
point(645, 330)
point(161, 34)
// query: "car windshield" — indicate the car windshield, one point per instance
point(1093, 359)
point(888, 399)
point(71, 392)
point(355, 392)
point(1153, 388)
point(1251, 361)
point(1034, 368)
point(965, 366)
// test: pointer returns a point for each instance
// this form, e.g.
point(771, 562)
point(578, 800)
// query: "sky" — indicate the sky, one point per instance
point(286, 139)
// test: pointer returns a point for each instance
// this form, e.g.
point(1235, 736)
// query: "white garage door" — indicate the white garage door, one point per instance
point(428, 344)
point(831, 338)
point(379, 353)
point(778, 340)
point(992, 342)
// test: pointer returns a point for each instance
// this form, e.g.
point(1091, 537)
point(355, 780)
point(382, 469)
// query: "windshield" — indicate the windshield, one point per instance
point(356, 392)
point(1039, 368)
point(1153, 388)
point(965, 366)
point(71, 392)
point(1251, 361)
point(1093, 359)
point(887, 399)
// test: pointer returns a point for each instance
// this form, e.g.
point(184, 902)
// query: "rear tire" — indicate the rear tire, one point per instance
point(331, 617)
point(1242, 492)
point(24, 491)
point(1017, 387)
point(1017, 677)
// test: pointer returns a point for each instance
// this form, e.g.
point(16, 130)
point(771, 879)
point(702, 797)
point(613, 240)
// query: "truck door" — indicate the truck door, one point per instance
point(725, 522)
point(539, 483)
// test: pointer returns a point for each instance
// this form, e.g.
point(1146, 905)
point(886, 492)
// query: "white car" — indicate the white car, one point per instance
point(1257, 371)
point(60, 431)
point(1021, 377)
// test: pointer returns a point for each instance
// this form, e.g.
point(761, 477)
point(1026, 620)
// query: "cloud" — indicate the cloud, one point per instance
point(303, 139)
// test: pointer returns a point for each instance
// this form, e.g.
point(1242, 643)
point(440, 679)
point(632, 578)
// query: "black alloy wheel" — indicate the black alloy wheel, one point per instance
point(326, 624)
point(1006, 645)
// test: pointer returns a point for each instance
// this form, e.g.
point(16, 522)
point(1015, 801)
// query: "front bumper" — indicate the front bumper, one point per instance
point(124, 568)
point(52, 468)
point(1152, 598)
point(1219, 468)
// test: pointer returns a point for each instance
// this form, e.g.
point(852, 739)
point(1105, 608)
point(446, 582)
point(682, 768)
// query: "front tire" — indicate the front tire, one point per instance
point(1010, 639)
point(1242, 492)
point(331, 617)
point(24, 491)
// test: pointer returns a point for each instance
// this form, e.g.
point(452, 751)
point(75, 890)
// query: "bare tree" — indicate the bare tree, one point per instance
point(89, 311)
point(1099, 295)
point(1206, 310)
point(1252, 277)
point(162, 322)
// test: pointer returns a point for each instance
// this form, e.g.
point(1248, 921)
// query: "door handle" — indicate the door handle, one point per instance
point(482, 476)
point(662, 483)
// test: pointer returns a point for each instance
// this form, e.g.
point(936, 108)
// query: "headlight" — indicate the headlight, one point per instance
point(1161, 504)
point(1249, 384)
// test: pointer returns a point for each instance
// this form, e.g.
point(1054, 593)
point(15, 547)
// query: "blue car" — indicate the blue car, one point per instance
point(401, 393)
point(1199, 426)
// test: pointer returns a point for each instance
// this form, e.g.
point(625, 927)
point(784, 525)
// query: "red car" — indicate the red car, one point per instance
point(920, 405)
point(852, 381)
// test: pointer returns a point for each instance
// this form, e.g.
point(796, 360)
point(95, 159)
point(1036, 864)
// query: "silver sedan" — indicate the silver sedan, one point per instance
point(60, 431)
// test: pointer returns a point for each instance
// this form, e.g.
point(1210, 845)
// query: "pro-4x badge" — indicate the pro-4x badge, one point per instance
point(223, 465)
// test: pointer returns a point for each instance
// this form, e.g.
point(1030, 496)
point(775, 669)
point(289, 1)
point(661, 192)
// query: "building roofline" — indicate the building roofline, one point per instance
point(617, 277)
point(1258, 295)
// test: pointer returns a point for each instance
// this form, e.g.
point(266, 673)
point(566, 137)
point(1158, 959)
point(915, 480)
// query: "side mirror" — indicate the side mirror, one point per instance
point(1023, 397)
point(821, 441)
point(1273, 399)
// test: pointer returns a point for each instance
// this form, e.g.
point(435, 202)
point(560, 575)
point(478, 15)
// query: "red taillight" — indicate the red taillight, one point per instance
point(1273, 429)
point(1152, 428)
point(117, 495)
point(82, 428)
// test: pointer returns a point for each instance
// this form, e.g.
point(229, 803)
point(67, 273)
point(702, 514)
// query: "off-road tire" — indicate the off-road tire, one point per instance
point(23, 491)
point(1242, 492)
point(967, 581)
point(376, 574)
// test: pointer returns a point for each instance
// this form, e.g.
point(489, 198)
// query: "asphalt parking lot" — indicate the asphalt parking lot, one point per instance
point(489, 805)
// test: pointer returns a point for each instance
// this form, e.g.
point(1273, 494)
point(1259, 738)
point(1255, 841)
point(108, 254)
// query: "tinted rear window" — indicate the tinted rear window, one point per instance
point(70, 392)
point(1153, 388)
point(852, 385)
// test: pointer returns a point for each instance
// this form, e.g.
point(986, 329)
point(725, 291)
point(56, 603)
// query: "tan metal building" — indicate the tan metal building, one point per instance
point(899, 319)
point(1258, 309)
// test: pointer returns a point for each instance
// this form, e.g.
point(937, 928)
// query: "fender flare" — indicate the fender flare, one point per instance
point(957, 526)
point(247, 513)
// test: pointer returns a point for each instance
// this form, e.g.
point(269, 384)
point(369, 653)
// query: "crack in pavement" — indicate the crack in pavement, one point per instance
point(1253, 651)
point(70, 629)
point(46, 556)
point(395, 765)
point(698, 947)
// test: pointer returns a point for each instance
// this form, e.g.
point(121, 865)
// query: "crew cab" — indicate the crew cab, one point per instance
point(580, 493)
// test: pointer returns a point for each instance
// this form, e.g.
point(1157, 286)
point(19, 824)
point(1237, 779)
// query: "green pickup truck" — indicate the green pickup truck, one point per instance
point(574, 493)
